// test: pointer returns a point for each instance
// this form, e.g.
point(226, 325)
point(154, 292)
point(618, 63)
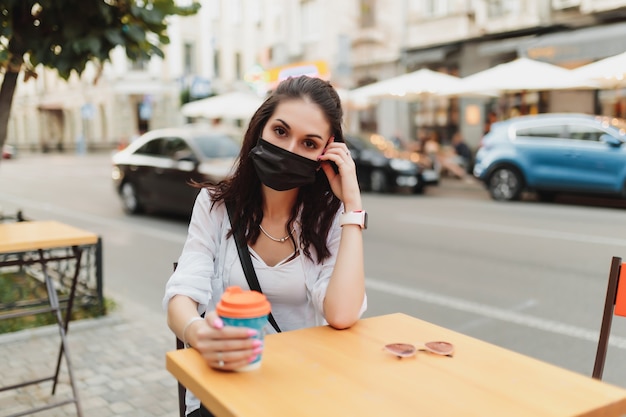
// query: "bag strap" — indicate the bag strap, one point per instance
point(246, 263)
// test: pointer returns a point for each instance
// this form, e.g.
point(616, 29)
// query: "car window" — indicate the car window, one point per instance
point(544, 131)
point(354, 143)
point(217, 146)
point(153, 147)
point(176, 147)
point(361, 143)
point(582, 132)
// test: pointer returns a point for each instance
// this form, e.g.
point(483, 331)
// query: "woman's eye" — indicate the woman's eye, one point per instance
point(310, 144)
point(280, 131)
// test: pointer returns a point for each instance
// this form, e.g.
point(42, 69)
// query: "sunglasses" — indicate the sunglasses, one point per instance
point(405, 350)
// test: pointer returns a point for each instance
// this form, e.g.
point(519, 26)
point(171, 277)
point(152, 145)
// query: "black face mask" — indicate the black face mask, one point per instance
point(280, 169)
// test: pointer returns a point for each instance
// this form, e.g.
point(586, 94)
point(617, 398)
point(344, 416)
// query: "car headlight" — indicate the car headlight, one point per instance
point(401, 164)
point(116, 174)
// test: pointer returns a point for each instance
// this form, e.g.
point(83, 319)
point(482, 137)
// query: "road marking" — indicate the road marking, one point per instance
point(397, 290)
point(495, 313)
point(98, 220)
point(540, 233)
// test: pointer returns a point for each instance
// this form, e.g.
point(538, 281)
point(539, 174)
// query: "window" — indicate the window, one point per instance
point(152, 148)
point(216, 63)
point(189, 59)
point(238, 66)
point(368, 13)
point(139, 64)
point(499, 8)
point(175, 148)
point(582, 132)
point(217, 146)
point(435, 8)
point(549, 131)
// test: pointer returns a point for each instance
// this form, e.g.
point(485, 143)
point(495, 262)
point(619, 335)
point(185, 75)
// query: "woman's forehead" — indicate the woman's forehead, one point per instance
point(302, 115)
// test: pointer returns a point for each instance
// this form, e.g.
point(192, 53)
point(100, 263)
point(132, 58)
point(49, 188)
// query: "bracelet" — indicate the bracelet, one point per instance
point(191, 320)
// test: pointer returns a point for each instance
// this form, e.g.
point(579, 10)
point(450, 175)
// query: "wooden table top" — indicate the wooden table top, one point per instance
point(33, 235)
point(325, 372)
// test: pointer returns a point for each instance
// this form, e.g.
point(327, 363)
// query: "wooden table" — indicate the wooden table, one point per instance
point(325, 372)
point(37, 237)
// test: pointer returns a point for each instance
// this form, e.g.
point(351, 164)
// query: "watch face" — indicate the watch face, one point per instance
point(365, 220)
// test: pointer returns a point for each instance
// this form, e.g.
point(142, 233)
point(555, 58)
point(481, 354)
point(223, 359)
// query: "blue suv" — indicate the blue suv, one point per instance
point(552, 153)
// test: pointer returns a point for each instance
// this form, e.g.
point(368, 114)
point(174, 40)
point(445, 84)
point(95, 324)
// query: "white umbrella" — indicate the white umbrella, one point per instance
point(522, 74)
point(234, 105)
point(609, 72)
point(407, 86)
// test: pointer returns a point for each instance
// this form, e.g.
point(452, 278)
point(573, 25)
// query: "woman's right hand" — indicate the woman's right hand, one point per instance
point(223, 347)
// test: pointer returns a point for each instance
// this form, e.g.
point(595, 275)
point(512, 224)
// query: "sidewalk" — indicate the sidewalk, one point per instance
point(118, 363)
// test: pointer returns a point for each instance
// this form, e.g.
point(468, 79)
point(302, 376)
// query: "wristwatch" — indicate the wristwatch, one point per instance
point(358, 217)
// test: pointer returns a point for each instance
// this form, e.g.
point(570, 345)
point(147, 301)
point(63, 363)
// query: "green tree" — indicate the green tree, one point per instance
point(67, 34)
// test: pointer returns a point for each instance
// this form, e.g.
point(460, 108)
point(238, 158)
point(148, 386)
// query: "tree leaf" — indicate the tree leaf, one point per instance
point(66, 34)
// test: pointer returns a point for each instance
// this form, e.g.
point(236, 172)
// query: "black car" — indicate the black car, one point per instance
point(381, 168)
point(154, 171)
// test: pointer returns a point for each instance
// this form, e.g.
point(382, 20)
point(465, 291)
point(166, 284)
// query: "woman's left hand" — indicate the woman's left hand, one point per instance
point(343, 184)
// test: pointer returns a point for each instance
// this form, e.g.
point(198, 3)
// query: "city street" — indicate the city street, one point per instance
point(527, 276)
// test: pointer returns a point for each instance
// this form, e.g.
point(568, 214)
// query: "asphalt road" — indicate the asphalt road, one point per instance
point(527, 276)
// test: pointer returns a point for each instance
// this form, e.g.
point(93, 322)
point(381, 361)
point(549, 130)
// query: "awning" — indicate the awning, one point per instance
point(586, 44)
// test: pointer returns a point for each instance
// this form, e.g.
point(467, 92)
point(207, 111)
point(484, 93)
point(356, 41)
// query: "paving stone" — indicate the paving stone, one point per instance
point(118, 363)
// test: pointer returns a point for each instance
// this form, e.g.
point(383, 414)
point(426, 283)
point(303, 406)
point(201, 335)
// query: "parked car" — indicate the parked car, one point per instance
point(153, 171)
point(380, 167)
point(553, 153)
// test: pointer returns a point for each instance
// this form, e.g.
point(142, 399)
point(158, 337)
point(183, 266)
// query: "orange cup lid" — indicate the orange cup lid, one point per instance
point(237, 303)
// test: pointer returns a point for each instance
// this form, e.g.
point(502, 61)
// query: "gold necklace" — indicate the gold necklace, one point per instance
point(282, 239)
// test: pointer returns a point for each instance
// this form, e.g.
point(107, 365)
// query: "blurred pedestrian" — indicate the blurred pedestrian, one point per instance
point(463, 152)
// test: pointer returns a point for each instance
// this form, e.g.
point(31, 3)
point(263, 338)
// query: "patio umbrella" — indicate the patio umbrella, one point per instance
point(407, 86)
point(609, 72)
point(522, 74)
point(235, 105)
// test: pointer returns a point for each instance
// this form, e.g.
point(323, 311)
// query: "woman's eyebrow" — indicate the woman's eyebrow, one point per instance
point(312, 135)
point(284, 123)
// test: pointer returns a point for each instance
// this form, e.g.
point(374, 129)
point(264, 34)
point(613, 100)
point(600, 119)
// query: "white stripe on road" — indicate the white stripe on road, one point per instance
point(397, 290)
point(492, 312)
point(540, 233)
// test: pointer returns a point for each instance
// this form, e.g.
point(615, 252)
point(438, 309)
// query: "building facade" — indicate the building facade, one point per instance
point(247, 44)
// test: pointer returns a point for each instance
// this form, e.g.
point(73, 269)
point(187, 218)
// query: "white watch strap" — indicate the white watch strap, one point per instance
point(354, 217)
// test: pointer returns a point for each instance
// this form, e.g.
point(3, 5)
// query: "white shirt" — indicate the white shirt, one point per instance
point(209, 263)
point(205, 267)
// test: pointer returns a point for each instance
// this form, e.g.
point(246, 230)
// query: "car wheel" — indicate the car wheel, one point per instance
point(505, 184)
point(130, 200)
point(378, 181)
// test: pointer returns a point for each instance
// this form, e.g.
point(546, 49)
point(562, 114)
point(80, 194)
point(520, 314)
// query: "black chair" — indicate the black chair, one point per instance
point(181, 387)
point(615, 304)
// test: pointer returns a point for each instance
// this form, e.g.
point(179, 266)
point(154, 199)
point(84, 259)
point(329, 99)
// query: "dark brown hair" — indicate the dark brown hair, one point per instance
point(316, 202)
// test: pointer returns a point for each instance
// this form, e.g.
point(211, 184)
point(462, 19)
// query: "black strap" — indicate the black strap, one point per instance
point(246, 263)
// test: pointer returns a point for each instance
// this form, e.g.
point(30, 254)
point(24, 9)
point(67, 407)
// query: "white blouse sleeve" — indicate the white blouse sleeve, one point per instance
point(196, 266)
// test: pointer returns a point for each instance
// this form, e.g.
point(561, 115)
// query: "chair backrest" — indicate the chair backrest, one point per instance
point(615, 303)
point(181, 387)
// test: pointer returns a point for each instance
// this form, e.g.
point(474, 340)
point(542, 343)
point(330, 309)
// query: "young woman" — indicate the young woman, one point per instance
point(295, 194)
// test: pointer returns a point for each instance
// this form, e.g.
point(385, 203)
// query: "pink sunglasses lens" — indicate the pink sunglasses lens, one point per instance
point(401, 350)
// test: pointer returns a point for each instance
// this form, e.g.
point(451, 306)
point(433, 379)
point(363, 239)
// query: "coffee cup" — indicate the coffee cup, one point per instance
point(242, 308)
